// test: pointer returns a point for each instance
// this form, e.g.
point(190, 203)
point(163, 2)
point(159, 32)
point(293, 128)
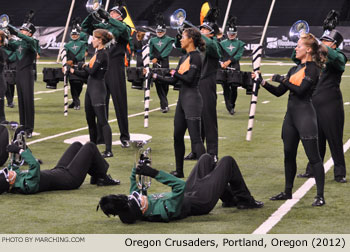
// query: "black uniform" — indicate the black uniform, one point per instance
point(76, 50)
point(208, 183)
point(95, 97)
point(72, 168)
point(328, 102)
point(68, 174)
point(160, 48)
point(4, 141)
point(231, 50)
point(207, 88)
point(26, 49)
point(188, 110)
point(10, 66)
point(115, 76)
point(3, 85)
point(300, 122)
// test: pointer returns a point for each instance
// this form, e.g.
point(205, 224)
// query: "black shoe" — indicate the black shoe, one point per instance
point(107, 154)
point(340, 179)
point(232, 112)
point(71, 105)
point(125, 144)
point(177, 174)
point(281, 196)
point(29, 135)
point(229, 204)
point(107, 181)
point(93, 180)
point(191, 156)
point(77, 107)
point(11, 105)
point(165, 110)
point(253, 204)
point(305, 175)
point(319, 201)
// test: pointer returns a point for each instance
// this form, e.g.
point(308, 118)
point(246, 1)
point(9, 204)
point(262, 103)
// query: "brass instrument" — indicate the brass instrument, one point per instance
point(298, 28)
point(5, 23)
point(93, 6)
point(143, 182)
point(178, 20)
point(17, 136)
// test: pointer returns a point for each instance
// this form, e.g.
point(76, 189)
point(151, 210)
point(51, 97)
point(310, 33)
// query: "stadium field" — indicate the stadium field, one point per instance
point(260, 160)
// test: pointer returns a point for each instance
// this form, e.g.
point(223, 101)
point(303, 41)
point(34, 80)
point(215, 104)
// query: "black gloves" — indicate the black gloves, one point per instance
point(12, 30)
point(103, 13)
point(278, 78)
point(80, 65)
point(12, 148)
point(144, 169)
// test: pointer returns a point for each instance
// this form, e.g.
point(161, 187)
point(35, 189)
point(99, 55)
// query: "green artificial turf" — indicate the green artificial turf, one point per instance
point(260, 160)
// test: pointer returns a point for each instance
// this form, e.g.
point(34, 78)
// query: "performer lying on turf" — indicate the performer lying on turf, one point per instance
point(69, 173)
point(197, 196)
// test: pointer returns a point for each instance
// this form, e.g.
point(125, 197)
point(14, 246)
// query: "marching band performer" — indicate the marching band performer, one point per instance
point(115, 76)
point(189, 105)
point(207, 183)
point(76, 50)
point(328, 102)
point(26, 49)
point(232, 51)
point(10, 79)
point(159, 49)
point(68, 174)
point(207, 85)
point(3, 86)
point(300, 122)
point(95, 102)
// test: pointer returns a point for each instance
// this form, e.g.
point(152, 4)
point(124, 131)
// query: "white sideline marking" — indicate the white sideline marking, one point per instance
point(85, 138)
point(264, 102)
point(287, 206)
point(346, 103)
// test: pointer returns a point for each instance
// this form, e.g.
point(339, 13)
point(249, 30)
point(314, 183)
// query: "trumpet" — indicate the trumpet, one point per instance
point(5, 23)
point(178, 20)
point(298, 28)
point(18, 137)
point(93, 6)
point(143, 182)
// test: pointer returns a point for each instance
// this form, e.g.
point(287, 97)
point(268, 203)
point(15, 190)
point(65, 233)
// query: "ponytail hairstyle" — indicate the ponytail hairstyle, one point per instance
point(196, 37)
point(104, 35)
point(318, 51)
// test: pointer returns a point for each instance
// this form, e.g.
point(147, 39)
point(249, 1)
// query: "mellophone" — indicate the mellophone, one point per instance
point(236, 78)
point(136, 77)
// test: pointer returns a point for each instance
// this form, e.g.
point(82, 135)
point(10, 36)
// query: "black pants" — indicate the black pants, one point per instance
point(301, 125)
point(330, 119)
point(10, 92)
point(76, 87)
point(98, 112)
point(207, 88)
point(162, 91)
point(4, 141)
point(207, 183)
point(230, 95)
point(181, 124)
point(25, 92)
point(116, 87)
point(70, 171)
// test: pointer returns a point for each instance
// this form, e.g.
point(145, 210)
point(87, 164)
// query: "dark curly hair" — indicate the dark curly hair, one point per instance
point(196, 37)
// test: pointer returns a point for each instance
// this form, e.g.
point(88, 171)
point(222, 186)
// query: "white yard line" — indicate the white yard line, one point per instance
point(85, 128)
point(287, 206)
